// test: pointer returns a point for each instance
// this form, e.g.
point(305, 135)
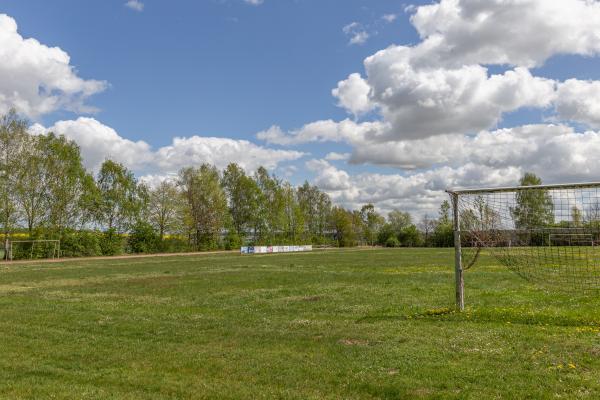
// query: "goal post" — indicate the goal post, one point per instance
point(52, 249)
point(544, 233)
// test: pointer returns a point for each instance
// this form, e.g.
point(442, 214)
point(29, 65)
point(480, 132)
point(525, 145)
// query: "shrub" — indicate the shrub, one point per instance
point(143, 239)
point(232, 241)
point(411, 237)
point(80, 244)
point(174, 244)
point(111, 243)
point(392, 241)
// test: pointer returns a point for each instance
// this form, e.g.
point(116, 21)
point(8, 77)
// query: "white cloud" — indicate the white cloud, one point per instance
point(135, 5)
point(513, 32)
point(417, 104)
point(154, 180)
point(329, 177)
point(321, 131)
point(37, 79)
point(333, 156)
point(418, 193)
point(439, 106)
point(353, 95)
point(254, 2)
point(195, 150)
point(556, 152)
point(356, 32)
point(420, 102)
point(579, 101)
point(389, 18)
point(98, 142)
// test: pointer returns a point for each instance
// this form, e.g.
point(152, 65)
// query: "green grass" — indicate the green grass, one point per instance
point(325, 325)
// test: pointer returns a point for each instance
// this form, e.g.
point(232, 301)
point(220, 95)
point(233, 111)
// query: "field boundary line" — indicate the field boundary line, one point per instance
point(194, 253)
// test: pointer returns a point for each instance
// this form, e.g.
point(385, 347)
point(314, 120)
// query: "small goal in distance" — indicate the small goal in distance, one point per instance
point(31, 249)
point(547, 234)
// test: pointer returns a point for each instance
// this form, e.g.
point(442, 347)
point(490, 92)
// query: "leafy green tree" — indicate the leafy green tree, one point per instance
point(445, 213)
point(443, 233)
point(164, 208)
point(271, 212)
point(293, 217)
point(426, 226)
point(30, 188)
point(342, 225)
point(69, 188)
point(243, 196)
point(206, 204)
point(410, 236)
point(371, 222)
point(122, 200)
point(316, 208)
point(399, 220)
point(13, 139)
point(385, 233)
point(534, 208)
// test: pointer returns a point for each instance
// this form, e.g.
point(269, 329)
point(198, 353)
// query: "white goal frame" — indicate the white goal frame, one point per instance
point(55, 250)
point(455, 196)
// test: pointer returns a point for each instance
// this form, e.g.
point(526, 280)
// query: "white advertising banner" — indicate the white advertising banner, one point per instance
point(274, 249)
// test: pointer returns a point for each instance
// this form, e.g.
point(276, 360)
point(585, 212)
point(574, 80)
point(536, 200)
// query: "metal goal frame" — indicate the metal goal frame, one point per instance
point(55, 249)
point(455, 195)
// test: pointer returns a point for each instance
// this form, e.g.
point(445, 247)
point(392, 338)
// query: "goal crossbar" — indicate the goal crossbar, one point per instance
point(586, 185)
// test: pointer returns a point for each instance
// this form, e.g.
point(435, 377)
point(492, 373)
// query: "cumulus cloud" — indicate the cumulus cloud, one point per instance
point(37, 79)
point(98, 142)
point(513, 32)
point(433, 101)
point(441, 86)
point(254, 2)
point(491, 158)
point(135, 5)
point(329, 177)
point(353, 95)
point(557, 152)
point(418, 193)
point(321, 131)
point(333, 156)
point(579, 101)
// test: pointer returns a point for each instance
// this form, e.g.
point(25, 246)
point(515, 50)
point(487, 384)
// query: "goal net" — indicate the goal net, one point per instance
point(548, 234)
point(33, 249)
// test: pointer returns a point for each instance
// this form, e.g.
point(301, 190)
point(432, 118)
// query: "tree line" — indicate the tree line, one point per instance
point(46, 193)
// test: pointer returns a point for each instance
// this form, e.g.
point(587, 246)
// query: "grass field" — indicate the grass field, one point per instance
point(326, 325)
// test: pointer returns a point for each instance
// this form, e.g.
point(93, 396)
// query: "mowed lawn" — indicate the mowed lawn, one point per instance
point(353, 324)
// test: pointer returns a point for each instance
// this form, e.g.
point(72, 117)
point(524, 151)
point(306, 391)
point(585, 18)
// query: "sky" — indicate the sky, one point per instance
point(374, 101)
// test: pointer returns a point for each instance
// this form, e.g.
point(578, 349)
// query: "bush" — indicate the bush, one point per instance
point(232, 241)
point(111, 243)
point(143, 239)
point(174, 244)
point(80, 244)
point(411, 237)
point(392, 241)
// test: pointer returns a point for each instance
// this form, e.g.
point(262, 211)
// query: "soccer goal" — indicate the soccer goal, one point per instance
point(32, 249)
point(547, 234)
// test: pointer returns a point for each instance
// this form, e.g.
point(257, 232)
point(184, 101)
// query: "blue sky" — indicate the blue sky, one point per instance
point(221, 68)
point(454, 92)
